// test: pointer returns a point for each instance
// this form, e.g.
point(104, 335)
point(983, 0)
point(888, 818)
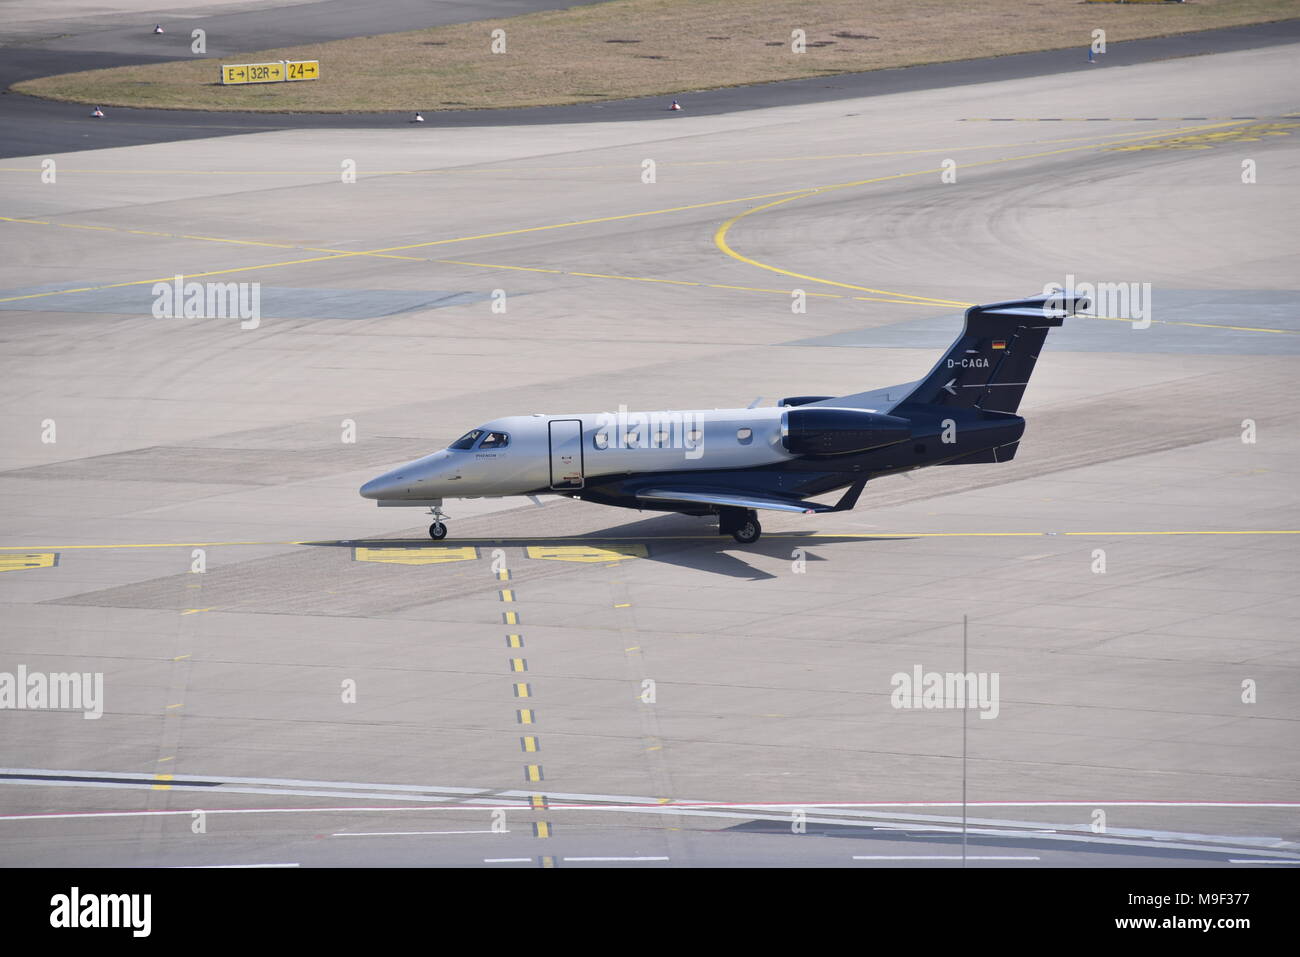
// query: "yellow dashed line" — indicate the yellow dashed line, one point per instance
point(524, 716)
point(533, 772)
point(523, 689)
point(163, 777)
point(511, 617)
point(528, 743)
point(507, 595)
point(542, 829)
point(515, 641)
point(518, 664)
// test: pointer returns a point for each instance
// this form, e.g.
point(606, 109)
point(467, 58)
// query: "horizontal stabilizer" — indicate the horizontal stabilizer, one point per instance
point(1001, 453)
point(1054, 307)
point(731, 498)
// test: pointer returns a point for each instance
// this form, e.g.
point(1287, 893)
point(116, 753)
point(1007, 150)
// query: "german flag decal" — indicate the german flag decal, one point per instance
point(999, 343)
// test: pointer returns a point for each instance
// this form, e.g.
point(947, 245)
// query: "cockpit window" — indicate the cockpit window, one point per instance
point(495, 440)
point(467, 440)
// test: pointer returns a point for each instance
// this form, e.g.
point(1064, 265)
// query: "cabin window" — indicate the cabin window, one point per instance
point(495, 440)
point(600, 440)
point(632, 439)
point(662, 439)
point(744, 436)
point(467, 440)
point(695, 436)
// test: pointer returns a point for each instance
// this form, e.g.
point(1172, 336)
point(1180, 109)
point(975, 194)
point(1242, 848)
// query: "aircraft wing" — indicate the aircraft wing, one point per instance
point(736, 499)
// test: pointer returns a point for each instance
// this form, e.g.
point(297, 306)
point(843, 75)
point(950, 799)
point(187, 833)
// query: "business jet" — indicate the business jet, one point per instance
point(732, 462)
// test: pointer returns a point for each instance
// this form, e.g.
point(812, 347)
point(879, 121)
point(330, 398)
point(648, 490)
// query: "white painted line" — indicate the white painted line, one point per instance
point(1112, 839)
point(941, 857)
point(1246, 860)
point(408, 833)
point(217, 867)
point(477, 799)
point(507, 860)
point(614, 802)
point(615, 858)
point(956, 829)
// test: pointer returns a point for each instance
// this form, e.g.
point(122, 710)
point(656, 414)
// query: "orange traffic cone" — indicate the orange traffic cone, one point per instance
point(158, 28)
point(418, 118)
point(97, 112)
point(675, 106)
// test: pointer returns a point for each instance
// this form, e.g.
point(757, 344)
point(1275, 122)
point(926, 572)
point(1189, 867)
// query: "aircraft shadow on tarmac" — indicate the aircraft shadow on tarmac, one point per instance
point(668, 539)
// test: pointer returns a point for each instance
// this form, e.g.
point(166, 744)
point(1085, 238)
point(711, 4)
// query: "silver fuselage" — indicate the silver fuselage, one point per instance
point(545, 455)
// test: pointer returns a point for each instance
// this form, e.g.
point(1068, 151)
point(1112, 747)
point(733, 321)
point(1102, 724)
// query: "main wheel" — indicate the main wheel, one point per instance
point(748, 531)
point(437, 531)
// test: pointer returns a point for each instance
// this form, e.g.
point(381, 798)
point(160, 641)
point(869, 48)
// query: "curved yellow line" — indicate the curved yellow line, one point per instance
point(720, 236)
point(720, 240)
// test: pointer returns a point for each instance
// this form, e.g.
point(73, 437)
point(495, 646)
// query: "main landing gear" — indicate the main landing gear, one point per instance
point(438, 530)
point(740, 523)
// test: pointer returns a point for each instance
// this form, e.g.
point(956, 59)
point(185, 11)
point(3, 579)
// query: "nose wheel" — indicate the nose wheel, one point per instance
point(741, 523)
point(438, 530)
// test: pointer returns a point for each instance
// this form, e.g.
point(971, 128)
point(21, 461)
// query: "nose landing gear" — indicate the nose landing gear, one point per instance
point(438, 530)
point(741, 523)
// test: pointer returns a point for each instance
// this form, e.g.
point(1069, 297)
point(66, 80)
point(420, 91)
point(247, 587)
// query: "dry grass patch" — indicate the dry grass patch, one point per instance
point(630, 48)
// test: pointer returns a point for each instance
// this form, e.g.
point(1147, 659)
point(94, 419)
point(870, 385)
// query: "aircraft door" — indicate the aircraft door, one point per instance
point(566, 454)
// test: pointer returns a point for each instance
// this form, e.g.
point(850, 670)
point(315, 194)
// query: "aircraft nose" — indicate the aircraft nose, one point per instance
point(382, 485)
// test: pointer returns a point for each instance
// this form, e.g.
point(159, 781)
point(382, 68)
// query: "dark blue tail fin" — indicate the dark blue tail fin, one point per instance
point(989, 364)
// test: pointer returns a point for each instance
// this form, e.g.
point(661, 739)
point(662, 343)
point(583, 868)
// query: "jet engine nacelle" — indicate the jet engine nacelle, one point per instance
point(822, 431)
